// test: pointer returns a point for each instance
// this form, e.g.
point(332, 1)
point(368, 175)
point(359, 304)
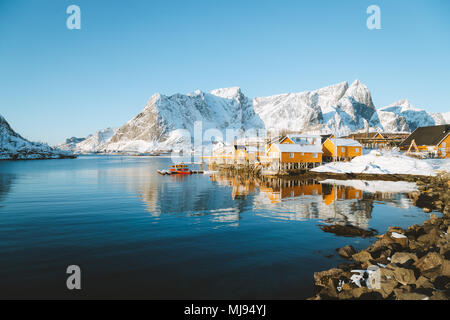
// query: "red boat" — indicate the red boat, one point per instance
point(179, 169)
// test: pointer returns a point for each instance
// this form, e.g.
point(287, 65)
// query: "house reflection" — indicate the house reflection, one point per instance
point(240, 187)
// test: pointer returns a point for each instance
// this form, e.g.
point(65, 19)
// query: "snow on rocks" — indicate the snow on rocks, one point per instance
point(387, 163)
point(14, 147)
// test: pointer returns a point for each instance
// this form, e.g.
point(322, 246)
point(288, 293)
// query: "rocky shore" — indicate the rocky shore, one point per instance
point(411, 264)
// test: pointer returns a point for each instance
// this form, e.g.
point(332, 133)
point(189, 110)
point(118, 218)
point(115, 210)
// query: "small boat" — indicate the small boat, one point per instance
point(179, 169)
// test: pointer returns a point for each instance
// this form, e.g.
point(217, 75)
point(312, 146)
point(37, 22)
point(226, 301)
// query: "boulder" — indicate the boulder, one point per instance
point(430, 261)
point(347, 252)
point(403, 257)
point(321, 278)
point(403, 275)
point(362, 256)
point(405, 294)
point(424, 282)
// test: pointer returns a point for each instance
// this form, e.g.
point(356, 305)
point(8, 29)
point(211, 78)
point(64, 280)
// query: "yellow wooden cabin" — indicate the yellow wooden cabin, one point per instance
point(432, 141)
point(341, 149)
point(293, 156)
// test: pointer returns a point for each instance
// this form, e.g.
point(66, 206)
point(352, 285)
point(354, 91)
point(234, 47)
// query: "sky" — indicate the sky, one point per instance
point(57, 83)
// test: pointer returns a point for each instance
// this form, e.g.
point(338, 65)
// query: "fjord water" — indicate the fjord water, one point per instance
point(136, 234)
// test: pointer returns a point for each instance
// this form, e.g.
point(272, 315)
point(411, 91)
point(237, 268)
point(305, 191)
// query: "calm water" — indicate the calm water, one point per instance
point(136, 234)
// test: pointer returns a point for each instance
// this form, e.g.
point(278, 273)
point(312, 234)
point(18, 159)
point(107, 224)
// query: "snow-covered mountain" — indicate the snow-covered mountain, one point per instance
point(403, 116)
point(14, 146)
point(91, 144)
point(165, 120)
point(340, 108)
point(446, 117)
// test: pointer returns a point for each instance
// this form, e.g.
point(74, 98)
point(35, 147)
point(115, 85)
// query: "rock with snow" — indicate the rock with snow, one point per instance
point(167, 122)
point(387, 163)
point(91, 144)
point(403, 116)
point(14, 147)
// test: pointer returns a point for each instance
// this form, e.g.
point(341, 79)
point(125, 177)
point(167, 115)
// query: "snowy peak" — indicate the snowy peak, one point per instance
point(403, 116)
point(360, 93)
point(14, 146)
point(340, 108)
point(227, 93)
point(91, 144)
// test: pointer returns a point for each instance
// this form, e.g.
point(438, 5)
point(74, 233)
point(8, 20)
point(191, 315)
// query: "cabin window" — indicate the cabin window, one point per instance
point(356, 150)
point(444, 144)
point(343, 149)
point(302, 153)
point(291, 154)
point(314, 155)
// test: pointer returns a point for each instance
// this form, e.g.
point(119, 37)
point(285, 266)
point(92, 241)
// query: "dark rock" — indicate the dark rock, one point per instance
point(441, 282)
point(347, 252)
point(348, 231)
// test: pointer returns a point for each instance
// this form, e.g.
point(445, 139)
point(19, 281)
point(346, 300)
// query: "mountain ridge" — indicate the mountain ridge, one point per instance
point(167, 121)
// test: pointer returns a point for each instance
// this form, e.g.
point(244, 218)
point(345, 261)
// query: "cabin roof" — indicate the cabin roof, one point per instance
point(298, 148)
point(324, 137)
point(341, 142)
point(428, 136)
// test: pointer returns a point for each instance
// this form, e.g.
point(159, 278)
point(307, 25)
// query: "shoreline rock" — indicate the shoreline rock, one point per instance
point(403, 264)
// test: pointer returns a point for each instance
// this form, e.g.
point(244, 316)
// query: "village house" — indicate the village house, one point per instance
point(341, 149)
point(293, 156)
point(433, 141)
point(378, 140)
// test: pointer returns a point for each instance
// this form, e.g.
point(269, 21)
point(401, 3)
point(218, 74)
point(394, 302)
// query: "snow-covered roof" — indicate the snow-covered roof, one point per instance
point(345, 142)
point(298, 148)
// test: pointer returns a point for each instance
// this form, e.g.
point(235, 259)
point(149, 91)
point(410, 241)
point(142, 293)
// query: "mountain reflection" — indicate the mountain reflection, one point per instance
point(6, 180)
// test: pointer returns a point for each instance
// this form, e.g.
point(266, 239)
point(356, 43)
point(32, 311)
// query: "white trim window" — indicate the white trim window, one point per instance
point(291, 155)
point(356, 150)
point(314, 155)
point(343, 149)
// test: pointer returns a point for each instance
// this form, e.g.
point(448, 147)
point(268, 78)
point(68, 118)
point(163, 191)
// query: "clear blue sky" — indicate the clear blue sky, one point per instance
point(56, 83)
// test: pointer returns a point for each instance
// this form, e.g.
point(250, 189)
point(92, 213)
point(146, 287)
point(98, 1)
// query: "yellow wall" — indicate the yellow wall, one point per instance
point(329, 150)
point(298, 156)
point(342, 193)
point(445, 144)
point(286, 140)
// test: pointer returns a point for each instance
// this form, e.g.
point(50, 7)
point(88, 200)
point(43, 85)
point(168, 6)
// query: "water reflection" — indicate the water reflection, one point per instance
point(224, 198)
point(6, 181)
point(339, 202)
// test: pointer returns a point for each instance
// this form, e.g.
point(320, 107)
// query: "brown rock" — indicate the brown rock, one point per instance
point(438, 295)
point(321, 278)
point(362, 256)
point(404, 294)
point(347, 252)
point(404, 276)
point(386, 287)
point(446, 268)
point(402, 257)
point(424, 282)
point(357, 292)
point(430, 261)
point(431, 237)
